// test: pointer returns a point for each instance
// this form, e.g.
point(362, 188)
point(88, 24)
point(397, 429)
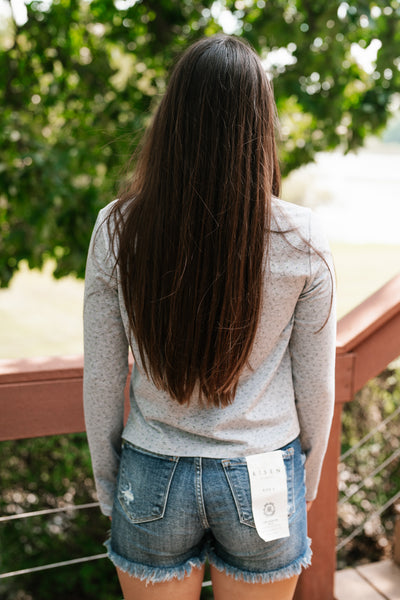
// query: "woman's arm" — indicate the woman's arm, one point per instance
point(313, 351)
point(105, 364)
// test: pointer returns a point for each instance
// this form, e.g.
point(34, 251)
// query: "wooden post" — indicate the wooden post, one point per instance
point(317, 582)
point(396, 540)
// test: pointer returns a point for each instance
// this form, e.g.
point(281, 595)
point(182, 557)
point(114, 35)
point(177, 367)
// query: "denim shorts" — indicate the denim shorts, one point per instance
point(171, 513)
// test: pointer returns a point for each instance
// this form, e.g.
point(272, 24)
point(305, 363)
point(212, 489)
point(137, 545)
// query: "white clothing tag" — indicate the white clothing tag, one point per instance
point(268, 486)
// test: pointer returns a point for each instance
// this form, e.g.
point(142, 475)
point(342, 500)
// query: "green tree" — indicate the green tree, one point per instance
point(79, 79)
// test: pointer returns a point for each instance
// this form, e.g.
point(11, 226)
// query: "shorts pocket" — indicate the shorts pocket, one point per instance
point(238, 479)
point(239, 482)
point(144, 481)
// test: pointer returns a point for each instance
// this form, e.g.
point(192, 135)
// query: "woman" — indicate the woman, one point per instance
point(225, 295)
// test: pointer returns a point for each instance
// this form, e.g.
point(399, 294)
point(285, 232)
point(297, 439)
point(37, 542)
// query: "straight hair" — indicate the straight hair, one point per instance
point(191, 227)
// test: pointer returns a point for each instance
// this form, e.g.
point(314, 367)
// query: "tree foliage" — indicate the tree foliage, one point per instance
point(79, 79)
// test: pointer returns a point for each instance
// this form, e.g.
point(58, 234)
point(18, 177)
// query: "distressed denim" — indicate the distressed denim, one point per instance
point(170, 513)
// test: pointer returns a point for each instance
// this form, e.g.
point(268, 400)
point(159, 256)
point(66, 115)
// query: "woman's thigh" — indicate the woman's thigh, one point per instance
point(227, 588)
point(188, 588)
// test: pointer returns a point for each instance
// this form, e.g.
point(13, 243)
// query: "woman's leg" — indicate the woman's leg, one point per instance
point(188, 588)
point(228, 588)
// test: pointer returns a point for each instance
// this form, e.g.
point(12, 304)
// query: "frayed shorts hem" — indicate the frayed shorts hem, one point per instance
point(151, 574)
point(294, 568)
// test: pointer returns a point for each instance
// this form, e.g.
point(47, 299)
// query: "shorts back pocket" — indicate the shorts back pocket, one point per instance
point(237, 475)
point(144, 481)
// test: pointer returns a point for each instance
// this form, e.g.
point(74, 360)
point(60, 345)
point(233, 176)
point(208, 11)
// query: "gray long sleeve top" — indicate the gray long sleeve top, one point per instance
point(289, 389)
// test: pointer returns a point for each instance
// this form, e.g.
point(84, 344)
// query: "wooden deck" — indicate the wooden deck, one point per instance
point(375, 581)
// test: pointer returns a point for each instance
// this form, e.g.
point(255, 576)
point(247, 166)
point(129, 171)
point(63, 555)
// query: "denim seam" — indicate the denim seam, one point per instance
point(129, 445)
point(199, 493)
point(290, 481)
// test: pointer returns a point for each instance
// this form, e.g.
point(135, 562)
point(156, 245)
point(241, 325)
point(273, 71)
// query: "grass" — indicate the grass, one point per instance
point(361, 269)
point(40, 316)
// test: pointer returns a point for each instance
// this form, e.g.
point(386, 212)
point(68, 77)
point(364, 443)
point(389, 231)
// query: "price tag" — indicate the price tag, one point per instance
point(268, 486)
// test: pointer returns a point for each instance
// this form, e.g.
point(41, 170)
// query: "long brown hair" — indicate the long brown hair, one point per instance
point(192, 225)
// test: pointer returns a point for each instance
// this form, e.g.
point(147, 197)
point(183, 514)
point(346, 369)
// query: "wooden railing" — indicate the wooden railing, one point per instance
point(43, 396)
point(368, 339)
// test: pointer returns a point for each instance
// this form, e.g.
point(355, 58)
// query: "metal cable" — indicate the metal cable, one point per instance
point(64, 563)
point(376, 513)
point(369, 435)
point(48, 511)
point(378, 469)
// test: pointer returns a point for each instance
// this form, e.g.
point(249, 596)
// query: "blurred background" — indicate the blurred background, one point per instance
point(79, 80)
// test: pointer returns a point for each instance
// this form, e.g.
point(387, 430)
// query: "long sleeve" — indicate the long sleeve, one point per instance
point(313, 350)
point(105, 365)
